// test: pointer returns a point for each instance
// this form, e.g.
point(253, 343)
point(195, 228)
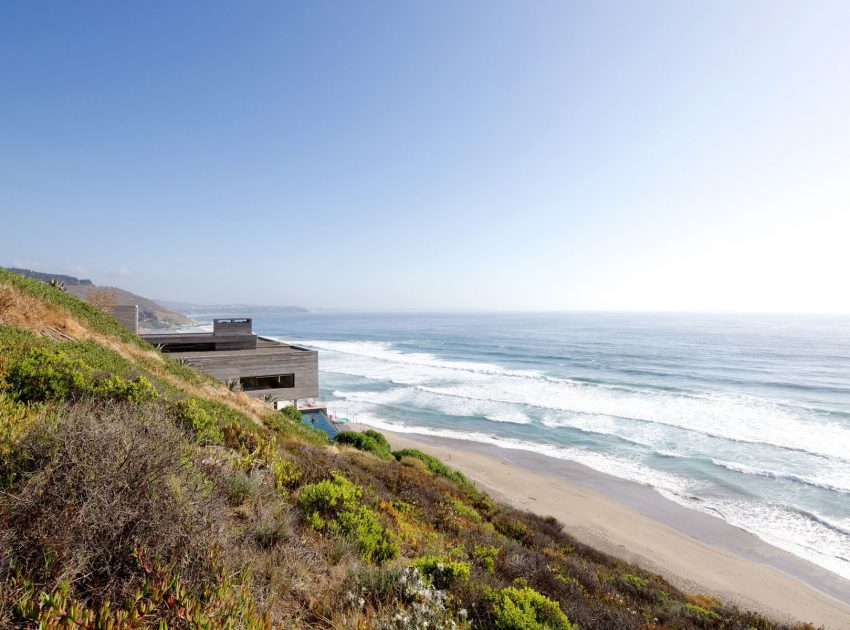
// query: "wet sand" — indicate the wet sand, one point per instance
point(696, 552)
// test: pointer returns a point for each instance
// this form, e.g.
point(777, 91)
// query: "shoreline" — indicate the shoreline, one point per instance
point(696, 552)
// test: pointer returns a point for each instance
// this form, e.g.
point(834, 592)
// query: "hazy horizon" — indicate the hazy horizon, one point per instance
point(566, 157)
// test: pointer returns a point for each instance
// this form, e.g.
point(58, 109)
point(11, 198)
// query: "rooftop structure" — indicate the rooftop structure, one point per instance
point(233, 352)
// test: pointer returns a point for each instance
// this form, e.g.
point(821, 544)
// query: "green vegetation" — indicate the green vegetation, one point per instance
point(137, 492)
point(702, 613)
point(486, 557)
point(292, 413)
point(192, 416)
point(289, 421)
point(526, 609)
point(442, 572)
point(160, 595)
point(434, 466)
point(465, 511)
point(635, 580)
point(369, 441)
point(334, 505)
point(51, 374)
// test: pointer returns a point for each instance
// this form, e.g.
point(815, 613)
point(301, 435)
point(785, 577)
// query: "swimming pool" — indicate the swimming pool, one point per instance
point(318, 420)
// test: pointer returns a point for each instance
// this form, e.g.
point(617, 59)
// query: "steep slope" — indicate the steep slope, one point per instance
point(151, 314)
point(138, 492)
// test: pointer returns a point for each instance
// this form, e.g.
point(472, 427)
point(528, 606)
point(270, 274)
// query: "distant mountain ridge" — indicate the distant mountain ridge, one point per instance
point(47, 277)
point(229, 309)
point(151, 314)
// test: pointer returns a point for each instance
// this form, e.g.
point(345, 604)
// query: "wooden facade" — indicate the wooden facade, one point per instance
point(233, 352)
point(127, 315)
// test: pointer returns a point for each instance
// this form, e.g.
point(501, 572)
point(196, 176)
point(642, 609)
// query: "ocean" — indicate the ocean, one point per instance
point(744, 417)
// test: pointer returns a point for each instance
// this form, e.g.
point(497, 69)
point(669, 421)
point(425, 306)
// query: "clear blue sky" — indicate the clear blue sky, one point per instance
point(497, 155)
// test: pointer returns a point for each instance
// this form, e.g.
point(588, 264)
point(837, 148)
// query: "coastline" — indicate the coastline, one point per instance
point(694, 551)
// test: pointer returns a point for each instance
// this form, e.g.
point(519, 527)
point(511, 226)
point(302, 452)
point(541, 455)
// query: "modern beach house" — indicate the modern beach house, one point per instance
point(233, 352)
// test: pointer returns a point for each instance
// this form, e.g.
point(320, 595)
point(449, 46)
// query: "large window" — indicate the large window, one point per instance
point(188, 347)
point(275, 381)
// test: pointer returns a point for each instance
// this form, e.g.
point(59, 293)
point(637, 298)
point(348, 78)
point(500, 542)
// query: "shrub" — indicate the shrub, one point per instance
point(369, 441)
point(409, 522)
point(402, 600)
point(526, 609)
point(237, 437)
point(102, 298)
point(333, 505)
point(106, 478)
point(239, 487)
point(52, 374)
point(703, 614)
point(635, 580)
point(412, 462)
point(286, 474)
point(292, 413)
point(192, 416)
point(486, 556)
point(327, 498)
point(372, 540)
point(442, 572)
point(465, 511)
point(435, 466)
point(513, 528)
point(15, 420)
point(266, 534)
point(379, 438)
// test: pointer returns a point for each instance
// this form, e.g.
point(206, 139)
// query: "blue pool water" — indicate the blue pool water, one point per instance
point(318, 420)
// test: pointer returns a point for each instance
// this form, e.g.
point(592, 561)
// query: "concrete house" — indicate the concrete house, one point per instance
point(233, 352)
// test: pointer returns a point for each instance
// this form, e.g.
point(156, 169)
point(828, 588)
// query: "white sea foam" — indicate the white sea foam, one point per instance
point(385, 351)
point(418, 398)
point(726, 416)
point(601, 462)
point(792, 444)
point(814, 537)
point(514, 417)
point(830, 476)
point(810, 536)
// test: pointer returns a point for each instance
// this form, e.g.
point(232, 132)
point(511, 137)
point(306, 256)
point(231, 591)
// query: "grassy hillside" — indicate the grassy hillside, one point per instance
point(151, 314)
point(138, 492)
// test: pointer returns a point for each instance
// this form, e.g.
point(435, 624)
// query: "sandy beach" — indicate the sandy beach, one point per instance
point(696, 552)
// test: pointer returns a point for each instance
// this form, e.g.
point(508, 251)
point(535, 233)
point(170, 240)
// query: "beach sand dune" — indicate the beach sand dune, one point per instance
point(736, 567)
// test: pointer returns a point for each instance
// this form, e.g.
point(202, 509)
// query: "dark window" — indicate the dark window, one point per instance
point(188, 347)
point(276, 381)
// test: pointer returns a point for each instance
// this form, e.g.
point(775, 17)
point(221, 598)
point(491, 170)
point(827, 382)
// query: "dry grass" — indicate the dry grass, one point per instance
point(19, 308)
point(23, 310)
point(103, 479)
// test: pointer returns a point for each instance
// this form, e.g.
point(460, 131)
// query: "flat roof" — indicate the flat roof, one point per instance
point(264, 345)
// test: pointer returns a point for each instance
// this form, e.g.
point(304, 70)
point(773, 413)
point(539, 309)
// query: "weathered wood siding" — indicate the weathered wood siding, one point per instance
point(233, 326)
point(127, 315)
point(304, 364)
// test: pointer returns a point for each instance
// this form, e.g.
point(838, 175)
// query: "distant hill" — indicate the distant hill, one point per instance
point(228, 310)
point(151, 314)
point(47, 277)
